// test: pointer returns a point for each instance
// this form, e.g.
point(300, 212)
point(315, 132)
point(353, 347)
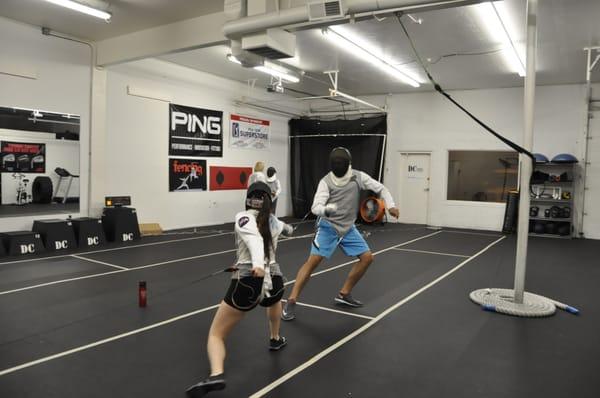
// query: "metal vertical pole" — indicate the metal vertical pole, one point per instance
point(526, 162)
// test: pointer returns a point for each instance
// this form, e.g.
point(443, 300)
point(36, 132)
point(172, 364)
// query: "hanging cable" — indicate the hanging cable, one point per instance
point(440, 90)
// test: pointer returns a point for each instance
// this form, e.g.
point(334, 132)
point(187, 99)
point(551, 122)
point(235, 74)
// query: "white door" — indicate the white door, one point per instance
point(414, 188)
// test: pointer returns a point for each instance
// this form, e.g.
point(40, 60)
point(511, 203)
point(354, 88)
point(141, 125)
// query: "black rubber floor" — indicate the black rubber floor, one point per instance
point(86, 337)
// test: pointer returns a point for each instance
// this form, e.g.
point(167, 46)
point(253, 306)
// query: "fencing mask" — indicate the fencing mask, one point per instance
point(340, 162)
point(256, 194)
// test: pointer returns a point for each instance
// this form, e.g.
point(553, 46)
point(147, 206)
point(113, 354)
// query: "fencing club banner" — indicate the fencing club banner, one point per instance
point(187, 175)
point(249, 133)
point(195, 132)
point(22, 157)
point(225, 178)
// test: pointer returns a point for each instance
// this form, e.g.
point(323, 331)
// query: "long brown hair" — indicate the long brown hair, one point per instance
point(264, 227)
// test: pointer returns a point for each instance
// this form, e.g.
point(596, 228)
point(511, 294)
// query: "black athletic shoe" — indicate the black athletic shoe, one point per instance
point(213, 383)
point(276, 345)
point(348, 300)
point(289, 311)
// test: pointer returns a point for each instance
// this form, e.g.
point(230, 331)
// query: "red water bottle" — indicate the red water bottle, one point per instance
point(142, 294)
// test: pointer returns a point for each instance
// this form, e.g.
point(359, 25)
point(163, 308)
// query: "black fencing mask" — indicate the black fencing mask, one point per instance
point(339, 161)
point(256, 194)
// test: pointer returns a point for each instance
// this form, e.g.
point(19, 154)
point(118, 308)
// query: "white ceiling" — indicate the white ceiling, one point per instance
point(128, 15)
point(565, 27)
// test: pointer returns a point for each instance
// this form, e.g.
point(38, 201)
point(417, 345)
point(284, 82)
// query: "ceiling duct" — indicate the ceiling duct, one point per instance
point(245, 58)
point(271, 44)
point(325, 10)
point(300, 15)
point(234, 9)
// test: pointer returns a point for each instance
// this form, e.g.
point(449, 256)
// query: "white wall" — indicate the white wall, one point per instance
point(429, 122)
point(62, 85)
point(137, 143)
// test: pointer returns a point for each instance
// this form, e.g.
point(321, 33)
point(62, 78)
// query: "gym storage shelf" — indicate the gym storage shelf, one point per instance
point(551, 200)
point(555, 219)
point(553, 170)
point(551, 236)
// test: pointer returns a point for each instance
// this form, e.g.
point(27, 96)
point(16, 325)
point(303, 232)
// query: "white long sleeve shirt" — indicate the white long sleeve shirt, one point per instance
point(257, 176)
point(249, 242)
point(275, 187)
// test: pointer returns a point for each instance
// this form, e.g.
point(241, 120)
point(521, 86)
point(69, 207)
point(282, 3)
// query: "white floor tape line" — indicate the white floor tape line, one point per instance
point(491, 235)
point(104, 341)
point(317, 307)
point(374, 253)
point(430, 252)
point(149, 327)
point(98, 262)
point(365, 327)
point(131, 269)
point(113, 249)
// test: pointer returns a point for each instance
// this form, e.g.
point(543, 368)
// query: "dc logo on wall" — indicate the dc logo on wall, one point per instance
point(236, 129)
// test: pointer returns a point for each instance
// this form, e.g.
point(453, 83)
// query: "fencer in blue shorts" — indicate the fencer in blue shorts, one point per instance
point(336, 204)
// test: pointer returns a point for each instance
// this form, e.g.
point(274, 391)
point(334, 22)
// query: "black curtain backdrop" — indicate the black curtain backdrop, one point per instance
point(310, 144)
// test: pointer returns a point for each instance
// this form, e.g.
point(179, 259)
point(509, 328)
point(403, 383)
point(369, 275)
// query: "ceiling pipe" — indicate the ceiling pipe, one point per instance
point(299, 15)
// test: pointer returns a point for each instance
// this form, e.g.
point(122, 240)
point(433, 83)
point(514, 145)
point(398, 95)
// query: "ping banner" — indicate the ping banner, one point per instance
point(22, 157)
point(195, 132)
point(187, 175)
point(250, 133)
point(224, 178)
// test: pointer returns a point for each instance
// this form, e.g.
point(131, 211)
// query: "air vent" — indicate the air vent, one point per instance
point(271, 44)
point(269, 52)
point(325, 10)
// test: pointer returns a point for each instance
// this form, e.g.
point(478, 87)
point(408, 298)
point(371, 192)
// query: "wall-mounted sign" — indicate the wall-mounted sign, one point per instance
point(416, 172)
point(187, 175)
point(222, 177)
point(195, 132)
point(22, 157)
point(247, 132)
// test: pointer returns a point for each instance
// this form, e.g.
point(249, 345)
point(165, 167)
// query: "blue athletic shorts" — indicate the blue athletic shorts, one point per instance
point(326, 240)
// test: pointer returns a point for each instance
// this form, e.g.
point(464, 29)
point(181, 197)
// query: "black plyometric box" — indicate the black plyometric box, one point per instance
point(22, 242)
point(56, 234)
point(120, 224)
point(89, 232)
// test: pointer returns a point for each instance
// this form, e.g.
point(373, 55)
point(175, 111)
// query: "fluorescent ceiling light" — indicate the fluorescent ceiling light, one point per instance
point(368, 52)
point(233, 59)
point(73, 5)
point(499, 25)
point(271, 70)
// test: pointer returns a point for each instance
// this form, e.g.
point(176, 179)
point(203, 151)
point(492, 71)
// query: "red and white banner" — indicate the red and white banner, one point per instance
point(249, 133)
point(224, 178)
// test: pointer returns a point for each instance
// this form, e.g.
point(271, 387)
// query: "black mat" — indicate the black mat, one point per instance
point(438, 344)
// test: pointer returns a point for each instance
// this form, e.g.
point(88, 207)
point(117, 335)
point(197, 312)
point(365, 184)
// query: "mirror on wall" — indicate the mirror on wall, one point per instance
point(39, 162)
point(482, 176)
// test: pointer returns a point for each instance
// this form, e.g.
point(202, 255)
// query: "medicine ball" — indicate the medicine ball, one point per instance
point(566, 212)
point(539, 228)
point(564, 229)
point(41, 190)
point(551, 228)
point(534, 211)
